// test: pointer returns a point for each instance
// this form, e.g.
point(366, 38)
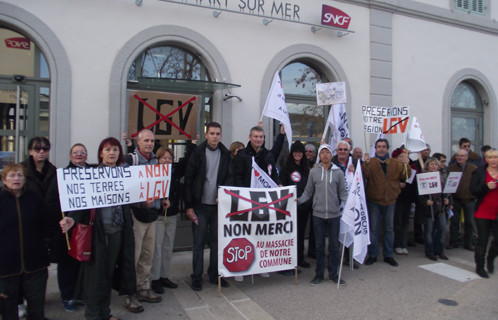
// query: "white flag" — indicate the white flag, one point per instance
point(414, 138)
point(340, 129)
point(276, 108)
point(349, 177)
point(259, 178)
point(372, 150)
point(356, 216)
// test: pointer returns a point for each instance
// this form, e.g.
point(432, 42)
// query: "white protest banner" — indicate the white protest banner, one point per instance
point(355, 214)
point(349, 177)
point(86, 188)
point(339, 128)
point(414, 139)
point(259, 178)
point(452, 182)
point(257, 230)
point(330, 93)
point(429, 183)
point(387, 120)
point(276, 108)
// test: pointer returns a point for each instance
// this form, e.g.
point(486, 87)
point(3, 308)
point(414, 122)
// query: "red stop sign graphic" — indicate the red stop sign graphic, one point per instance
point(238, 255)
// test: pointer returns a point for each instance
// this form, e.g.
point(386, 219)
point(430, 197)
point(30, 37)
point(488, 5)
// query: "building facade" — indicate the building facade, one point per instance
point(67, 66)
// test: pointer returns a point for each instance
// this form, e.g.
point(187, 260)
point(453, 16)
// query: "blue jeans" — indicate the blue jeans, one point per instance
point(207, 216)
point(434, 235)
point(331, 226)
point(376, 213)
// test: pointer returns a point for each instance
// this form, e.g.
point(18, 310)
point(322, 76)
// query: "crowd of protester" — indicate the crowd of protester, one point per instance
point(132, 244)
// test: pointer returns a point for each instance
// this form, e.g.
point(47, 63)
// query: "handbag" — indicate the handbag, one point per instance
point(81, 240)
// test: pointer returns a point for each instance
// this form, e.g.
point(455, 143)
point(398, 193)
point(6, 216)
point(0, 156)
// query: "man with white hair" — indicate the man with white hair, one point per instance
point(462, 199)
point(144, 216)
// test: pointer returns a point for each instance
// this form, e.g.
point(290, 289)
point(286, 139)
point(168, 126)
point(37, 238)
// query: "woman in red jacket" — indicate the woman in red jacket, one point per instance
point(483, 186)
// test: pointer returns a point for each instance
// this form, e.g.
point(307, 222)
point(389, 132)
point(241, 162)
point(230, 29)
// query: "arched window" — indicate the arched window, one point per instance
point(159, 69)
point(466, 116)
point(299, 81)
point(24, 95)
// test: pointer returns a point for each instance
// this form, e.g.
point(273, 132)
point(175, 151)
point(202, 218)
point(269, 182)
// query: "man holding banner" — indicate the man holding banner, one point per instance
point(384, 176)
point(207, 169)
point(327, 187)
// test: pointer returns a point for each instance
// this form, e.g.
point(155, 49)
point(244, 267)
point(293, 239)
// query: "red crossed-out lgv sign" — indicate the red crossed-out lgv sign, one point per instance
point(168, 115)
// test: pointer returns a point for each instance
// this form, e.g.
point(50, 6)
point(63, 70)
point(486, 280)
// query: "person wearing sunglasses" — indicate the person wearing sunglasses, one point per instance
point(40, 170)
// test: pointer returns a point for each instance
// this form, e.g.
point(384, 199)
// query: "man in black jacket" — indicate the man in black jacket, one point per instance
point(207, 169)
point(243, 160)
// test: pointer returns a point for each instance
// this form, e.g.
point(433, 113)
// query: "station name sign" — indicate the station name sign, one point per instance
point(334, 17)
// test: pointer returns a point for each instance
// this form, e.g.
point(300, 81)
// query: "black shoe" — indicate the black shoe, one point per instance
point(223, 283)
point(431, 257)
point(165, 282)
point(156, 286)
point(335, 279)
point(411, 244)
point(419, 240)
point(312, 255)
point(304, 264)
point(470, 248)
point(316, 280)
point(442, 256)
point(370, 261)
point(196, 285)
point(391, 261)
point(482, 273)
point(355, 265)
point(451, 246)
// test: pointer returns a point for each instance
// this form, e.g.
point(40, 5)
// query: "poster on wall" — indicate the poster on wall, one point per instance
point(386, 120)
point(429, 183)
point(330, 93)
point(257, 230)
point(98, 187)
point(169, 115)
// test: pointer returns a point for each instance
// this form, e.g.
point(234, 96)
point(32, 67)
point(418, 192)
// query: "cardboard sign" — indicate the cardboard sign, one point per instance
point(169, 115)
point(452, 182)
point(387, 120)
point(429, 183)
point(257, 230)
point(86, 188)
point(331, 93)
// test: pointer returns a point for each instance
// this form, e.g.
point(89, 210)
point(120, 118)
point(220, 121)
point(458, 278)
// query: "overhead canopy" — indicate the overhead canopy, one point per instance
point(179, 85)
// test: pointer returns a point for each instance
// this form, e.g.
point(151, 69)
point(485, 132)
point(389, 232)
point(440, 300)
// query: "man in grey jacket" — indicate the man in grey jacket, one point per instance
point(327, 187)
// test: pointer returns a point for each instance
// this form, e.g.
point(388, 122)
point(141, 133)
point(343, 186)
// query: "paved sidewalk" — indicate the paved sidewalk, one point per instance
point(380, 291)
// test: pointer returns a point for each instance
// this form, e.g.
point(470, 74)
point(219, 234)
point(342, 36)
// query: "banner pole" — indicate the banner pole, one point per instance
point(366, 146)
point(335, 125)
point(219, 287)
point(351, 254)
point(432, 208)
point(67, 237)
point(342, 258)
point(295, 273)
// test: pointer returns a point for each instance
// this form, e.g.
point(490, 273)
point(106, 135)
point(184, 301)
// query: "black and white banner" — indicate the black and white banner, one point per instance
point(257, 230)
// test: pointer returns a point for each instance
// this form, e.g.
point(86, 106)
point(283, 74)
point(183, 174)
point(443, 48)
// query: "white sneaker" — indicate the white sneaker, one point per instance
point(398, 251)
point(21, 309)
point(264, 275)
point(238, 279)
point(405, 251)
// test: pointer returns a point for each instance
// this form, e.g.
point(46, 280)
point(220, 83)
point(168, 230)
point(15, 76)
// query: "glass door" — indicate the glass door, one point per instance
point(16, 115)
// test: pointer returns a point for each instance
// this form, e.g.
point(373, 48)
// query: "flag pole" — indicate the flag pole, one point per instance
point(366, 146)
point(335, 124)
point(342, 258)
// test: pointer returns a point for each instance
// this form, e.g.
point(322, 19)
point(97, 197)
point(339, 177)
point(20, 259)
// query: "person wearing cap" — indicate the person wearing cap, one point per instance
point(295, 172)
point(327, 187)
point(384, 176)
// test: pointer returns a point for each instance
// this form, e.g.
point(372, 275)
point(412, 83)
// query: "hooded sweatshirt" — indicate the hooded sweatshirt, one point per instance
point(328, 189)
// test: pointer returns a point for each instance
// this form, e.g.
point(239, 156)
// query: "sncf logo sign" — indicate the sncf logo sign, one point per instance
point(18, 43)
point(334, 17)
